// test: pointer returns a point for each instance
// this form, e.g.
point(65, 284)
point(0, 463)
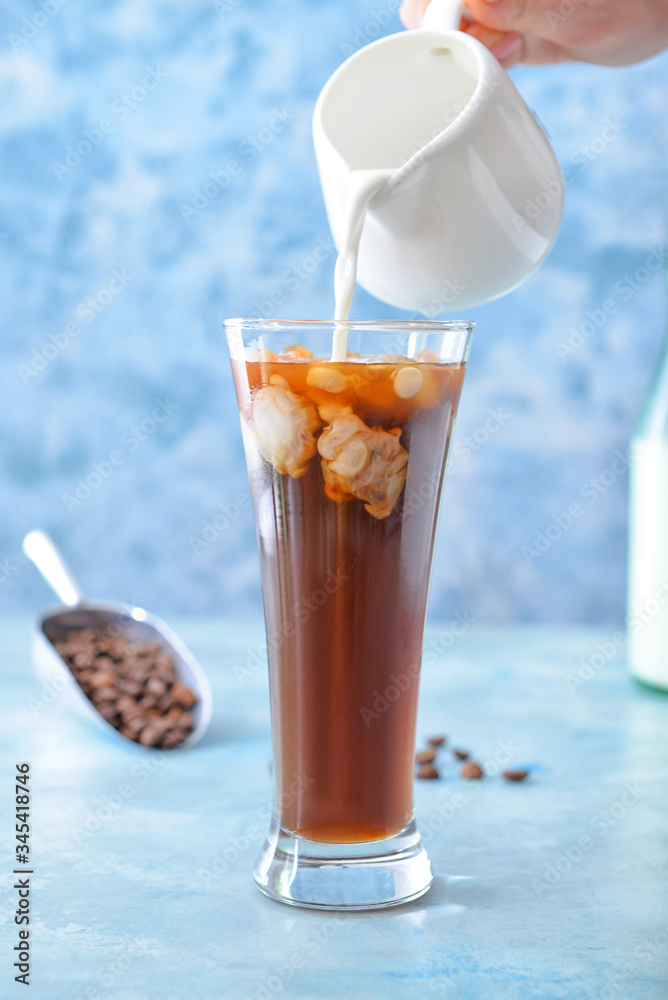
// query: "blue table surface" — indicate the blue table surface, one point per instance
point(555, 887)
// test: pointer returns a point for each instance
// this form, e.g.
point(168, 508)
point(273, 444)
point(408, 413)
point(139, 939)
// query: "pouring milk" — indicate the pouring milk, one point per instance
point(441, 188)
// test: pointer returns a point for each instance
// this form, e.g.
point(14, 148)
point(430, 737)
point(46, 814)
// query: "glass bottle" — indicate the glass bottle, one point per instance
point(648, 535)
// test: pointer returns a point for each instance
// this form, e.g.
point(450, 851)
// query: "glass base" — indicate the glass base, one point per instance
point(365, 876)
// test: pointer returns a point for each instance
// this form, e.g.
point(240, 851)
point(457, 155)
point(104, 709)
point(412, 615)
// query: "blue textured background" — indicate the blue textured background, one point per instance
point(220, 72)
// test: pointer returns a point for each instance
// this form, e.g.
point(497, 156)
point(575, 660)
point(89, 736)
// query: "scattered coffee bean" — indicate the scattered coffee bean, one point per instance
point(133, 686)
point(470, 771)
point(427, 771)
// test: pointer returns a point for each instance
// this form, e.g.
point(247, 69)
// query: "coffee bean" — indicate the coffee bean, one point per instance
point(173, 737)
point(102, 678)
point(436, 741)
point(83, 660)
point(182, 695)
point(134, 725)
point(162, 724)
point(461, 754)
point(133, 688)
point(185, 721)
point(107, 710)
point(104, 694)
point(471, 771)
point(128, 708)
point(148, 701)
point(515, 775)
point(150, 736)
point(427, 771)
point(156, 686)
point(166, 703)
point(135, 671)
point(425, 756)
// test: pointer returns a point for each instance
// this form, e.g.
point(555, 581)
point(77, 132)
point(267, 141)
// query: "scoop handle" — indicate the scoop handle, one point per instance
point(40, 549)
point(442, 15)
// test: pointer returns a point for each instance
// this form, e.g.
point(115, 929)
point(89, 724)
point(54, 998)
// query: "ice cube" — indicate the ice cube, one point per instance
point(296, 352)
point(366, 463)
point(408, 381)
point(285, 427)
point(328, 378)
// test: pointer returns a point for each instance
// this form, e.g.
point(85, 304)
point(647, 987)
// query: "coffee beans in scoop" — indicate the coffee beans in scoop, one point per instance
point(133, 685)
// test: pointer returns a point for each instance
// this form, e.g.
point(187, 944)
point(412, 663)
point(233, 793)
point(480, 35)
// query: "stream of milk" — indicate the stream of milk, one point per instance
point(365, 185)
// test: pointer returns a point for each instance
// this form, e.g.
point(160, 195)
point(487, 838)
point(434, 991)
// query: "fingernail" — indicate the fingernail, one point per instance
point(508, 46)
point(411, 13)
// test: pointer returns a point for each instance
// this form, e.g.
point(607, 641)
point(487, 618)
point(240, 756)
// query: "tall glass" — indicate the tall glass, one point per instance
point(346, 462)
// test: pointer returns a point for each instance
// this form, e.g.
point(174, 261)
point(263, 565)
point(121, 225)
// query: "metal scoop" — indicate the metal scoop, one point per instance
point(137, 625)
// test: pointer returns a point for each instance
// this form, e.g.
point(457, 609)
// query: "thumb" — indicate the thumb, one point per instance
point(528, 17)
point(411, 12)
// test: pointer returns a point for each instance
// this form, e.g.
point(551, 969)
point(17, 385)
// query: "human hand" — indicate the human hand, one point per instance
point(606, 32)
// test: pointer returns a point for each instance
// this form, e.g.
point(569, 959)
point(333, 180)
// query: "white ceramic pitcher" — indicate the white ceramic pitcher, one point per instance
point(474, 198)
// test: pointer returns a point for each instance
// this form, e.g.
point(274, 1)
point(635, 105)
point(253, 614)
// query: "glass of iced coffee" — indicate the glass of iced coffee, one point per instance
point(346, 462)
